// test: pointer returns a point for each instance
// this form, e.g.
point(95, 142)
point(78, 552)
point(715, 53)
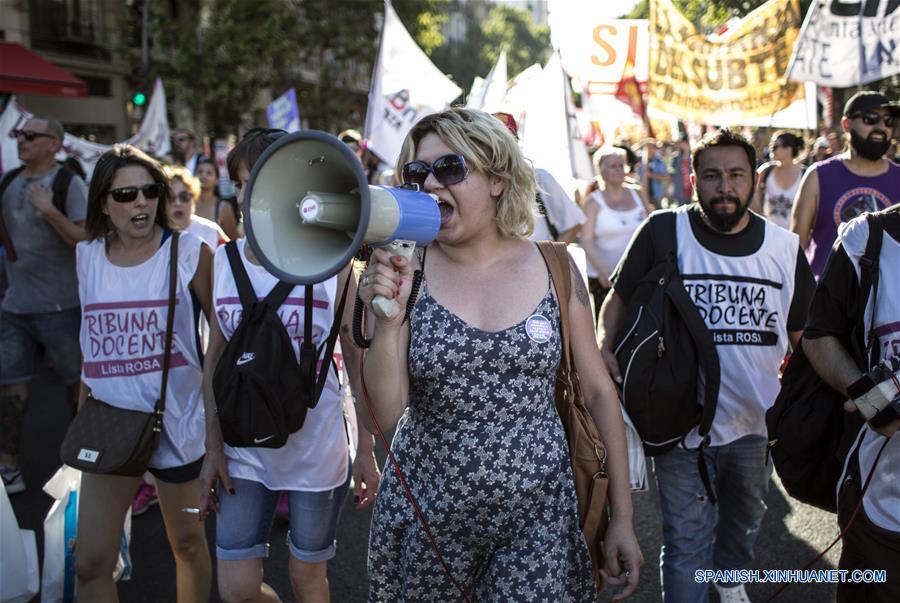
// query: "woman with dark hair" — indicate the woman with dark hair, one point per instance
point(779, 179)
point(311, 472)
point(123, 283)
point(224, 211)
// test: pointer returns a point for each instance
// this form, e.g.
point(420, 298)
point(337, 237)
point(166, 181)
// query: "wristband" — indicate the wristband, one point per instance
point(859, 387)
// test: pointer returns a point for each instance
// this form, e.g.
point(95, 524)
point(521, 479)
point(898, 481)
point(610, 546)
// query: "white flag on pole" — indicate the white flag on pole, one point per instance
point(838, 49)
point(406, 86)
point(490, 94)
point(547, 139)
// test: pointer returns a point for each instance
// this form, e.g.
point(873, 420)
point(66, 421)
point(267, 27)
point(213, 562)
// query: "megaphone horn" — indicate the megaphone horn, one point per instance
point(309, 208)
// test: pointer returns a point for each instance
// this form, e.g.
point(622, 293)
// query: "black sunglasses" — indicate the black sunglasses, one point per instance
point(30, 135)
point(871, 118)
point(127, 194)
point(449, 169)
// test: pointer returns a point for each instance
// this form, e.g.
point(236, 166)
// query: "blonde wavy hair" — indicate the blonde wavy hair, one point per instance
point(190, 182)
point(489, 148)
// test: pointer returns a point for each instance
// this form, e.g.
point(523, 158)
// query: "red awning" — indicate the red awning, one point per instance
point(24, 72)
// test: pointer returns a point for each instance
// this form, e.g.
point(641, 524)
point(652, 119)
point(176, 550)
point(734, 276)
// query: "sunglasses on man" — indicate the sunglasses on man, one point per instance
point(449, 169)
point(871, 118)
point(30, 135)
point(127, 194)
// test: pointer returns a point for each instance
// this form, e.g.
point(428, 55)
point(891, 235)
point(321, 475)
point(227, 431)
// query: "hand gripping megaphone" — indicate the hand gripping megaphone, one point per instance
point(308, 209)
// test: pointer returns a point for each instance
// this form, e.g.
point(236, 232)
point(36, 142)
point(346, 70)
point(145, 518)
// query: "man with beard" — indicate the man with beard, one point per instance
point(751, 284)
point(858, 180)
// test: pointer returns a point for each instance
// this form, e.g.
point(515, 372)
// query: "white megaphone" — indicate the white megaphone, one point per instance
point(308, 209)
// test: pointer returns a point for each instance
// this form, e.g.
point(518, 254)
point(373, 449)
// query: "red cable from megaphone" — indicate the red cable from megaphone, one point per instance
point(396, 467)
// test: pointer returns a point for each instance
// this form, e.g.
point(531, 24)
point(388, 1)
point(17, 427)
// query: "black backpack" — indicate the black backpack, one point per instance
point(666, 353)
point(60, 185)
point(262, 392)
point(810, 434)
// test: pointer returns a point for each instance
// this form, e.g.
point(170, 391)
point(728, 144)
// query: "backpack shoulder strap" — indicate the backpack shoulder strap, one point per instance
point(663, 232)
point(868, 281)
point(61, 187)
point(8, 178)
point(241, 279)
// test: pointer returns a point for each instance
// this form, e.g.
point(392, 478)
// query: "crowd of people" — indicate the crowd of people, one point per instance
point(465, 368)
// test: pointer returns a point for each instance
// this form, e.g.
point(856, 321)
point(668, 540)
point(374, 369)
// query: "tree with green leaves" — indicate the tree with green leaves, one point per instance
point(503, 27)
point(224, 59)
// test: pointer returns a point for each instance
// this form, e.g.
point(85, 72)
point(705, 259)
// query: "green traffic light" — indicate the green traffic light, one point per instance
point(139, 99)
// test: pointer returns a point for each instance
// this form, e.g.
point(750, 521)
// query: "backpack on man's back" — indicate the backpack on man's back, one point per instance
point(666, 352)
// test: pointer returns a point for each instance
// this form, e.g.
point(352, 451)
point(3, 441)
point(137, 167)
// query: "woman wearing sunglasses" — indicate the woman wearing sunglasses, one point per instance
point(180, 209)
point(472, 374)
point(123, 284)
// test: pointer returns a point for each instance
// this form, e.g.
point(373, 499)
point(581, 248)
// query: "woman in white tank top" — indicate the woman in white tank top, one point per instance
point(242, 484)
point(612, 214)
point(123, 283)
point(779, 180)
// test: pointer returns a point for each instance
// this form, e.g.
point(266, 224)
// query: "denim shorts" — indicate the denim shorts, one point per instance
point(57, 332)
point(244, 522)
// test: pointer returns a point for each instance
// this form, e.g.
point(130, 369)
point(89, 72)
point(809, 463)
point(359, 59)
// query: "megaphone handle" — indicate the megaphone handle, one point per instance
point(382, 306)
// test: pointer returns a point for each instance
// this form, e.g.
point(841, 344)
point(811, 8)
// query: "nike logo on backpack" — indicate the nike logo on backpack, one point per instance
point(261, 440)
point(245, 358)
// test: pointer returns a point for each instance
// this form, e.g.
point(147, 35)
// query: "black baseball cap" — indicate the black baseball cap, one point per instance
point(867, 100)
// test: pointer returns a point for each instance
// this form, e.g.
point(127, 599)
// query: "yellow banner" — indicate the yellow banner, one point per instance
point(723, 79)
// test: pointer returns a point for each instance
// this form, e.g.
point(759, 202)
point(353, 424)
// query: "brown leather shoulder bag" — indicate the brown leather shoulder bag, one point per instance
point(586, 449)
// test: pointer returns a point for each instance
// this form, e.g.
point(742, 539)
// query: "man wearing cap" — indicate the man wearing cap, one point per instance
point(858, 180)
point(820, 152)
point(41, 305)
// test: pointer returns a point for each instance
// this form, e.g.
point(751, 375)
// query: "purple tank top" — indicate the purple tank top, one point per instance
point(842, 196)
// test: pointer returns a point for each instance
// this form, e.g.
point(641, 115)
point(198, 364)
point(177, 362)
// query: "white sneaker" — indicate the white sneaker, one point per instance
point(732, 594)
point(12, 480)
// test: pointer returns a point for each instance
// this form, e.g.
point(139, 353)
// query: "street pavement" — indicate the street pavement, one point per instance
point(792, 533)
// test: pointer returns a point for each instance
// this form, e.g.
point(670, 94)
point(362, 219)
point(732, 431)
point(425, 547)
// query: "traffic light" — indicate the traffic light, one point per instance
point(139, 80)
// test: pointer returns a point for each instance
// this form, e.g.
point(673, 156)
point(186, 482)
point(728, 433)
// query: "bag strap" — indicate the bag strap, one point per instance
point(664, 231)
point(561, 276)
point(868, 281)
point(61, 187)
point(241, 279)
point(330, 343)
point(170, 324)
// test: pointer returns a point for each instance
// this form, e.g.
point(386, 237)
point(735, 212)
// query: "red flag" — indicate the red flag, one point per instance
point(629, 90)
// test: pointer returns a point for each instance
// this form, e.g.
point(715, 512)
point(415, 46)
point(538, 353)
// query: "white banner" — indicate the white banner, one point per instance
point(488, 94)
point(846, 44)
point(153, 136)
point(406, 86)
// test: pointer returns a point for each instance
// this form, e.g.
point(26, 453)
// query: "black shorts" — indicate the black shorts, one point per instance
point(178, 475)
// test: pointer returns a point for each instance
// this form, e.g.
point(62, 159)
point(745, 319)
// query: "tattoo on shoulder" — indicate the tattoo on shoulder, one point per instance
point(581, 292)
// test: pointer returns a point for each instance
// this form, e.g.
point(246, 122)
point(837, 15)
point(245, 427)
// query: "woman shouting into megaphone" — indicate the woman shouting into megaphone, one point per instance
point(470, 382)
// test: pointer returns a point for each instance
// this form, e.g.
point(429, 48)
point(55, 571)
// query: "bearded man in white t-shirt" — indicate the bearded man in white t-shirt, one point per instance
point(751, 284)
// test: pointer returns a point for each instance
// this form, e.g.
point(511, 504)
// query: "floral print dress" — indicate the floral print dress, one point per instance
point(484, 454)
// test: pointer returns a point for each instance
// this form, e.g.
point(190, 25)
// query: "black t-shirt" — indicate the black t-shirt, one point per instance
point(831, 312)
point(638, 259)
